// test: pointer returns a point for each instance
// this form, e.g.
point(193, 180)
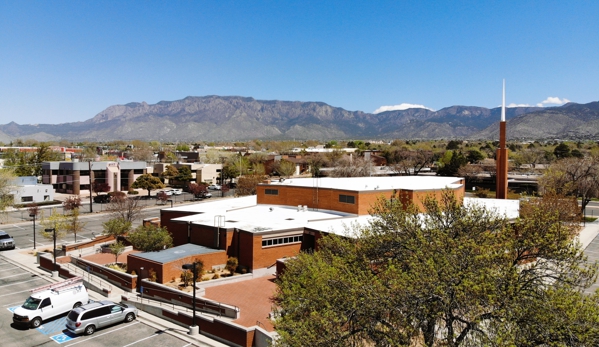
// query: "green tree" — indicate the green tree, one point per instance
point(184, 175)
point(117, 249)
point(455, 275)
point(150, 238)
point(170, 172)
point(30, 163)
point(451, 168)
point(73, 223)
point(474, 156)
point(562, 151)
point(149, 182)
point(285, 168)
point(6, 179)
point(116, 227)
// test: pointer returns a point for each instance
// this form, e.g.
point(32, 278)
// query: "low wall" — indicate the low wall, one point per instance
point(226, 332)
point(87, 244)
point(121, 279)
point(160, 292)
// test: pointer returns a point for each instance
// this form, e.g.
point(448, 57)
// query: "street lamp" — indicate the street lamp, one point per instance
point(193, 329)
point(32, 215)
point(53, 231)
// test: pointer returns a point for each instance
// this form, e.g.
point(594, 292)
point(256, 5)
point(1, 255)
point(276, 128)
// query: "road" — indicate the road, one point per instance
point(19, 225)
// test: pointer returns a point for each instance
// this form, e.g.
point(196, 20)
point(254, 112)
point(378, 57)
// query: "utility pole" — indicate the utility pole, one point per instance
point(91, 208)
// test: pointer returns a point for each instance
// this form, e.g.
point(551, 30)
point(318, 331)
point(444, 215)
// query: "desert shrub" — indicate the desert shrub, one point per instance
point(482, 193)
point(216, 276)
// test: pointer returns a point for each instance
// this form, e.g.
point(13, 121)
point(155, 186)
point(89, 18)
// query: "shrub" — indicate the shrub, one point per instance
point(133, 192)
point(133, 273)
point(152, 274)
point(232, 263)
point(482, 193)
point(216, 276)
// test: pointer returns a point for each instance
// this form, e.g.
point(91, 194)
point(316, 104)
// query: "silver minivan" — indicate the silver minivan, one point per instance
point(88, 318)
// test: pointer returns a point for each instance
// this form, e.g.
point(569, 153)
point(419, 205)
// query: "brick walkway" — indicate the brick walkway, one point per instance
point(252, 297)
point(107, 258)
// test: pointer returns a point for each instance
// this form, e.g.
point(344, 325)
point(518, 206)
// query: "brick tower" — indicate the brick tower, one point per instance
point(502, 154)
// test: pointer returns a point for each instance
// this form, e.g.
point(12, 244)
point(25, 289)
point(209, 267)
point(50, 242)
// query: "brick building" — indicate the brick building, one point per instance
point(285, 217)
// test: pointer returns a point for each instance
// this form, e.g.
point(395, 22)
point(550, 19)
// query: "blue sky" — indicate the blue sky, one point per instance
point(64, 61)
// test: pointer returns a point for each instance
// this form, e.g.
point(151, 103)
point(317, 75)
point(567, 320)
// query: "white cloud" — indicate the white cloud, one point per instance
point(403, 106)
point(554, 100)
point(517, 105)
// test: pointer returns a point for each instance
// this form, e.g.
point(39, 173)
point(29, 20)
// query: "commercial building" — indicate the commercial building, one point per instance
point(285, 217)
point(26, 190)
point(73, 177)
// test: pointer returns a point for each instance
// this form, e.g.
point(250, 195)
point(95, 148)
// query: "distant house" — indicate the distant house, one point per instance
point(26, 190)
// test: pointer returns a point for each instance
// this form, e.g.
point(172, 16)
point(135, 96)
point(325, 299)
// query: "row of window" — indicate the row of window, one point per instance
point(348, 199)
point(282, 240)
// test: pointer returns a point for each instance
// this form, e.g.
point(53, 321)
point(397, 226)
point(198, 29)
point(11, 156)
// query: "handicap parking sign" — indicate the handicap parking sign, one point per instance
point(62, 338)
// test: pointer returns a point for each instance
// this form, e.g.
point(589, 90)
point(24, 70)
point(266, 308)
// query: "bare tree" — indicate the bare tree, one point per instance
point(356, 167)
point(578, 177)
point(407, 162)
point(472, 173)
point(125, 208)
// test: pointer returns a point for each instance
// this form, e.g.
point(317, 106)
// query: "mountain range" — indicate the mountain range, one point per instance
point(233, 118)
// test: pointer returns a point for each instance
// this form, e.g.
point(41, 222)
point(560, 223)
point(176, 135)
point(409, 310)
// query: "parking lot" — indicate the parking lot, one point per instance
point(15, 284)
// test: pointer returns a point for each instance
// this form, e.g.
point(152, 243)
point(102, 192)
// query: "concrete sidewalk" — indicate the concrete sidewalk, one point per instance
point(588, 233)
point(25, 259)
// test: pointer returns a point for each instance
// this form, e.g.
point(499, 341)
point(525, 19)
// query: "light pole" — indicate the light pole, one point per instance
point(32, 215)
point(53, 230)
point(193, 329)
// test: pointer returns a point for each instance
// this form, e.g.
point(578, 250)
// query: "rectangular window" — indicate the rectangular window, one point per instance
point(46, 197)
point(138, 171)
point(348, 199)
point(281, 241)
point(26, 198)
point(271, 191)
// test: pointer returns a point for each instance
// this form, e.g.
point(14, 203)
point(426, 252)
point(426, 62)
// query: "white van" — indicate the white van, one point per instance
point(51, 300)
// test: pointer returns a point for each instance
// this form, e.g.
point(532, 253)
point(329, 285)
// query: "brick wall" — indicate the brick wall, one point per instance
point(267, 256)
point(166, 272)
point(178, 230)
point(124, 280)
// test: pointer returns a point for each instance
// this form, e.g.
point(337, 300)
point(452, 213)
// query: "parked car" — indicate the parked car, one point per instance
point(203, 195)
point(167, 192)
point(102, 199)
point(88, 318)
point(6, 241)
point(51, 300)
point(176, 191)
point(214, 187)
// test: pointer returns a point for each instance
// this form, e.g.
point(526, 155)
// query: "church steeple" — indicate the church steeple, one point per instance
point(502, 156)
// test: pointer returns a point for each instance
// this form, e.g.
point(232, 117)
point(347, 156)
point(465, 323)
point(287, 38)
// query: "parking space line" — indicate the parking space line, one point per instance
point(13, 304)
point(15, 267)
point(149, 337)
point(23, 291)
point(13, 284)
point(19, 274)
point(108, 332)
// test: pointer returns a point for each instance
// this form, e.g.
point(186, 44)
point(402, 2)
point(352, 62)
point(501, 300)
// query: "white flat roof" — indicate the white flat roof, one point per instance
point(374, 183)
point(262, 218)
point(509, 209)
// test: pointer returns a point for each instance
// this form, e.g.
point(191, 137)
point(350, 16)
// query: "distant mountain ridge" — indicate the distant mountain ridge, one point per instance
point(233, 118)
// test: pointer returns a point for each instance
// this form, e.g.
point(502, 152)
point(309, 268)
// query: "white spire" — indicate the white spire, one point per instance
point(503, 104)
